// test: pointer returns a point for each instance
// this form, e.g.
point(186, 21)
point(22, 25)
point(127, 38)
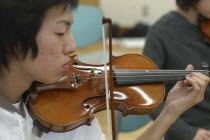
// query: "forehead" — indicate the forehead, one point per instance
point(57, 12)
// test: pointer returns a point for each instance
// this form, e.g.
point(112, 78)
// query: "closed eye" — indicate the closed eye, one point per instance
point(60, 34)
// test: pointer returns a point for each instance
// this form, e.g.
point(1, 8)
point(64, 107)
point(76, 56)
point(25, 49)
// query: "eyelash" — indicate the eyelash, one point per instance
point(60, 34)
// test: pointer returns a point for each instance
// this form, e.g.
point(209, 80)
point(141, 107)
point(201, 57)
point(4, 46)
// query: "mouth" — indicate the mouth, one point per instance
point(66, 65)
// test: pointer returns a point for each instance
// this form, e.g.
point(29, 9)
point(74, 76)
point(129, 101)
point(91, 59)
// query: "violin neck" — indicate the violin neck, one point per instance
point(129, 77)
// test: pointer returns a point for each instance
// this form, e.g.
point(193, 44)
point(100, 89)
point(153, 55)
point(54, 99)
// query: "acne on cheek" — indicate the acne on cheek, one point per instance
point(51, 53)
point(47, 57)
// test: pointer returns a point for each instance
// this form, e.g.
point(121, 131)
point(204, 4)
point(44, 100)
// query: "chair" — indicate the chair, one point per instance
point(87, 25)
point(133, 122)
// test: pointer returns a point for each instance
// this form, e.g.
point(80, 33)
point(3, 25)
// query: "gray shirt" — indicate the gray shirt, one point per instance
point(173, 43)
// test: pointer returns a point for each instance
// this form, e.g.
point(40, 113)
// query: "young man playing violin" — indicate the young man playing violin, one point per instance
point(174, 41)
point(35, 43)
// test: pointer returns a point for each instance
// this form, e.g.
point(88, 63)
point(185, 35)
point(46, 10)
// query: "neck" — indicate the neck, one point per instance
point(13, 84)
point(191, 15)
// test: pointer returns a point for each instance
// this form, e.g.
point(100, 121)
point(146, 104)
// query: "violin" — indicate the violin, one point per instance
point(138, 89)
point(205, 29)
point(136, 86)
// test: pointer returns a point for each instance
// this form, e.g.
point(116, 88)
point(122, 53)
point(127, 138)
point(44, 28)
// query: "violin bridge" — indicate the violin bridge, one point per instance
point(93, 78)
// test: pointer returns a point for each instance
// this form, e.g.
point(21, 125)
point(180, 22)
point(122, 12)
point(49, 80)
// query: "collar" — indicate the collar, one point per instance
point(4, 103)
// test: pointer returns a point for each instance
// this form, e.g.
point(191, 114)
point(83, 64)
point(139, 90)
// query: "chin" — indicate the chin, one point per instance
point(49, 80)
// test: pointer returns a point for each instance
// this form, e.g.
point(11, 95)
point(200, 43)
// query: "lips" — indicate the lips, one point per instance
point(66, 65)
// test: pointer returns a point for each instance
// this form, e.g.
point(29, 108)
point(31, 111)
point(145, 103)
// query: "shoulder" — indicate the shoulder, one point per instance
point(168, 23)
point(9, 125)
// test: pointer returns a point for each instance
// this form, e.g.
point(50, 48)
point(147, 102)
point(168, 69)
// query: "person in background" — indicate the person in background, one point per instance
point(35, 44)
point(173, 42)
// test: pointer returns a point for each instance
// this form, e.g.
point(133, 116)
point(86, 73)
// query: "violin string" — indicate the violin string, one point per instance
point(147, 73)
point(155, 76)
point(101, 81)
point(155, 73)
point(158, 71)
point(138, 76)
point(130, 80)
point(142, 76)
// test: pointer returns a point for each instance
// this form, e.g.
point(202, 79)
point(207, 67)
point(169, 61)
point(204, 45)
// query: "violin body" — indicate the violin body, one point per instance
point(61, 108)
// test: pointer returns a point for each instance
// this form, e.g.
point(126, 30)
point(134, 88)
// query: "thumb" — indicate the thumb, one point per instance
point(182, 83)
point(189, 67)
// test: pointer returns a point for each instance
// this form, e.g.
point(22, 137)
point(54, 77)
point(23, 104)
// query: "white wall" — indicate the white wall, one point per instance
point(129, 12)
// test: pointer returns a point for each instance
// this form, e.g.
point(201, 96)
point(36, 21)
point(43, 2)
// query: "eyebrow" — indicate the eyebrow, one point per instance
point(66, 22)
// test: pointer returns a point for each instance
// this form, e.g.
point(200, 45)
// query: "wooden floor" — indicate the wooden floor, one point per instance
point(101, 116)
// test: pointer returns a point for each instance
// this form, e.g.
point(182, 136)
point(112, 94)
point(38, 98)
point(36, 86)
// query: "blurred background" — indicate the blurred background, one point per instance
point(131, 20)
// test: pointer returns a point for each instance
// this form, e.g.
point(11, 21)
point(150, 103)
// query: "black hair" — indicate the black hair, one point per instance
point(186, 4)
point(19, 25)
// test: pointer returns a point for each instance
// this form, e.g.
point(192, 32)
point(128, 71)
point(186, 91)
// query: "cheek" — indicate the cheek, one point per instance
point(47, 59)
point(50, 53)
point(48, 44)
point(50, 50)
point(46, 68)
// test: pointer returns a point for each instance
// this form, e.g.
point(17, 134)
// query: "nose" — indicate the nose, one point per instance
point(70, 45)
